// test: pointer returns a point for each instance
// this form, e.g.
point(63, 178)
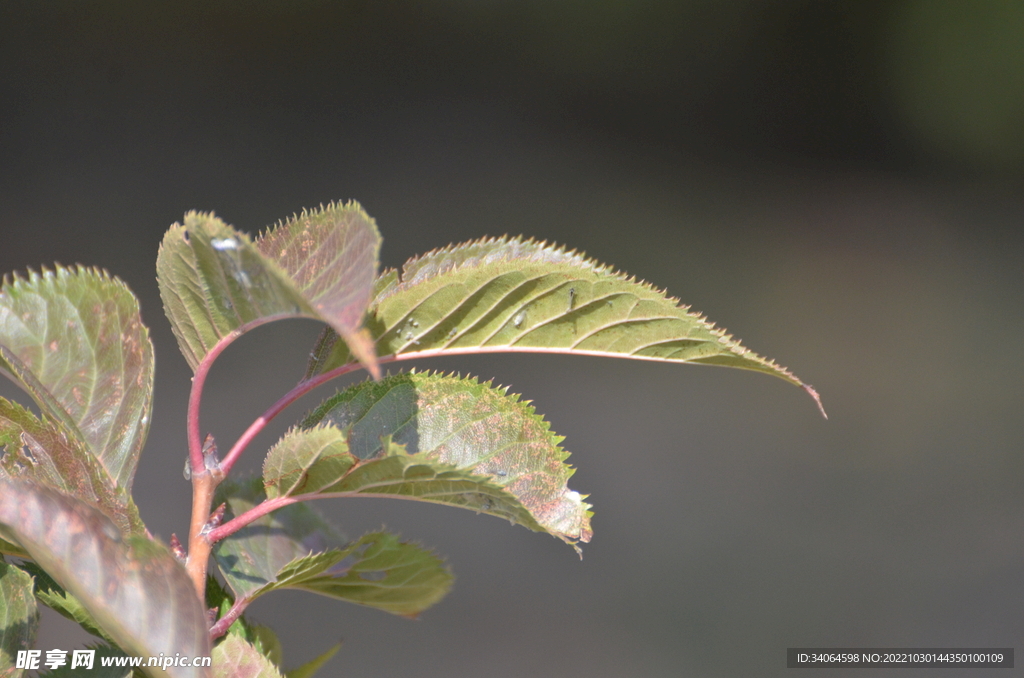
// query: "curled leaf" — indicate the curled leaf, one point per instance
point(215, 281)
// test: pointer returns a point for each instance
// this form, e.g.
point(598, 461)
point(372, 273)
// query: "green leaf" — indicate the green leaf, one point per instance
point(235, 658)
point(519, 295)
point(133, 587)
point(74, 340)
point(19, 617)
point(377, 571)
point(295, 548)
point(465, 444)
point(308, 669)
point(51, 594)
point(214, 281)
point(252, 557)
point(44, 452)
point(9, 549)
point(98, 670)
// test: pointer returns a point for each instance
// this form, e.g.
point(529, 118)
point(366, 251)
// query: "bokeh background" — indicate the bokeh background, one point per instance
point(837, 183)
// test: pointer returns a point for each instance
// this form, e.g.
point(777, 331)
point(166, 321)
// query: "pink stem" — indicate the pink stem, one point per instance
point(225, 622)
point(250, 516)
point(257, 426)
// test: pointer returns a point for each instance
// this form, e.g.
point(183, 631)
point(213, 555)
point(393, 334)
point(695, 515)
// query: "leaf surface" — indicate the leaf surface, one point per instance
point(43, 452)
point(214, 280)
point(510, 294)
point(19, 616)
point(74, 340)
point(235, 658)
point(447, 440)
point(253, 557)
point(132, 587)
point(294, 548)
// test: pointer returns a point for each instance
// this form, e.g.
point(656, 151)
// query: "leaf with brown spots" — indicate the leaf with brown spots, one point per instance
point(74, 340)
point(435, 438)
point(133, 587)
point(43, 452)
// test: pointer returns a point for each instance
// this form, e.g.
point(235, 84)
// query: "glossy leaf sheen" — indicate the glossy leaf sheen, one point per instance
point(134, 588)
point(43, 452)
point(19, 616)
point(214, 280)
point(519, 295)
point(235, 658)
point(465, 444)
point(74, 340)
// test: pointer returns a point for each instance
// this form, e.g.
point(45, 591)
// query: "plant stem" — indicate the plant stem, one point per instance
point(301, 389)
point(250, 516)
point(204, 482)
point(225, 622)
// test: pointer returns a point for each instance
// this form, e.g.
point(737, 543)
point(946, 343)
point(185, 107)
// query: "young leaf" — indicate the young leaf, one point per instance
point(215, 281)
point(133, 588)
point(509, 294)
point(43, 452)
point(377, 571)
point(294, 548)
point(252, 557)
point(235, 658)
point(465, 444)
point(19, 617)
point(74, 340)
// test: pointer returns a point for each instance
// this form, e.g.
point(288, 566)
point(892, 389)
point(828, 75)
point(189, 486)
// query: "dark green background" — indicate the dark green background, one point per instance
point(836, 183)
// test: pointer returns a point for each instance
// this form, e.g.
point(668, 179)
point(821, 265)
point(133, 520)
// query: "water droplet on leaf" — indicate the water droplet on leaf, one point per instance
point(221, 244)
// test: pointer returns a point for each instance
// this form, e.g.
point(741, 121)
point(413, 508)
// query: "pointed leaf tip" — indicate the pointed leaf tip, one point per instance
point(511, 294)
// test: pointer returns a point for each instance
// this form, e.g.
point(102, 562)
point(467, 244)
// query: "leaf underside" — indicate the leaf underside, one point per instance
point(293, 548)
point(446, 440)
point(43, 452)
point(19, 616)
point(74, 340)
point(510, 294)
point(133, 587)
point(215, 281)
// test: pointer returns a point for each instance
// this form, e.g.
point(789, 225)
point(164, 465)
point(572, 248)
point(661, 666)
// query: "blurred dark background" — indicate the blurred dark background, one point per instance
point(838, 183)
